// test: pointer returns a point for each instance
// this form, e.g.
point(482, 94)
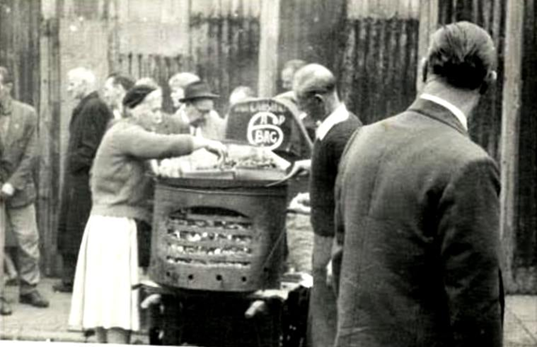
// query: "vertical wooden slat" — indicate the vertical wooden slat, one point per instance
point(349, 57)
point(510, 129)
point(49, 135)
point(268, 48)
point(428, 24)
point(3, 230)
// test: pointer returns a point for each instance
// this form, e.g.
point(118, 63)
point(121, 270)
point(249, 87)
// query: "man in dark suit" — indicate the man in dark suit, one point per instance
point(316, 94)
point(18, 123)
point(417, 213)
point(87, 126)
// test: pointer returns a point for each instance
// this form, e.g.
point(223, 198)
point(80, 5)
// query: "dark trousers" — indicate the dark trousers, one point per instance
point(69, 268)
point(323, 302)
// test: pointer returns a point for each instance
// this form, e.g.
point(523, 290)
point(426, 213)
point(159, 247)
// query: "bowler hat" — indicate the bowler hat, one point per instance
point(198, 90)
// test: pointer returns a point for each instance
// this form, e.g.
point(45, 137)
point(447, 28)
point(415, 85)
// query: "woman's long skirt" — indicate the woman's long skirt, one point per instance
point(106, 271)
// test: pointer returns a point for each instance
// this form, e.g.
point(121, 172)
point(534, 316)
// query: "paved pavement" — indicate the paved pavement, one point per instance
point(32, 324)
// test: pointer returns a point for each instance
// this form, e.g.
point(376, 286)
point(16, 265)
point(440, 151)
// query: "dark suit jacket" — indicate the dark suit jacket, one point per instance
point(18, 156)
point(418, 220)
point(86, 129)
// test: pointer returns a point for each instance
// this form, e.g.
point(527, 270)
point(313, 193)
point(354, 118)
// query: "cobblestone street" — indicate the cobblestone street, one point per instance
point(33, 324)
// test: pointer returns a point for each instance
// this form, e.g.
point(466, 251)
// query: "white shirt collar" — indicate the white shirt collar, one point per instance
point(454, 109)
point(340, 114)
point(117, 113)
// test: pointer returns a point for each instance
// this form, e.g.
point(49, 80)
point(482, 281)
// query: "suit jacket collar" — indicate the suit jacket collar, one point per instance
point(437, 112)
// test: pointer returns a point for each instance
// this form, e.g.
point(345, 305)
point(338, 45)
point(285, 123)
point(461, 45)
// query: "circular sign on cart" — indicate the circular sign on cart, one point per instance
point(268, 123)
point(264, 130)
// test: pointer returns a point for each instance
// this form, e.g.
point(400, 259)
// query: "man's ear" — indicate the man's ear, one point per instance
point(424, 70)
point(9, 86)
point(491, 78)
point(318, 98)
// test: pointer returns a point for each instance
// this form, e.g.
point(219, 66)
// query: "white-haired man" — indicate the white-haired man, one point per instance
point(86, 129)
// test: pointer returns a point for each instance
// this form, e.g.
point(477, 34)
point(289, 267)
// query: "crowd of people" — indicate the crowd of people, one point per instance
point(404, 212)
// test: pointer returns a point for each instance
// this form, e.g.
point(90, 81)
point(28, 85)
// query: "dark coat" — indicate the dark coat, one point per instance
point(418, 220)
point(86, 129)
point(17, 160)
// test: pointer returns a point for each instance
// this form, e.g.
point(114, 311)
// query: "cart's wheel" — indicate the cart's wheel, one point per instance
point(171, 330)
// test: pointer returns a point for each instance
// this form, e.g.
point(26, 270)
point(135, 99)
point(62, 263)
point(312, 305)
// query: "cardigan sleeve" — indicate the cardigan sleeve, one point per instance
point(469, 244)
point(140, 143)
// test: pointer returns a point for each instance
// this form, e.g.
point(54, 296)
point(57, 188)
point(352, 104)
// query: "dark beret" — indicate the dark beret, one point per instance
point(136, 95)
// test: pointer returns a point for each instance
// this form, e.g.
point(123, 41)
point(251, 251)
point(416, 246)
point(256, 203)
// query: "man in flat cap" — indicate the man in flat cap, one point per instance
point(417, 214)
point(199, 112)
point(86, 129)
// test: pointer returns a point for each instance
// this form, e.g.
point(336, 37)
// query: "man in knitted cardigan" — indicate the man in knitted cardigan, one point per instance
point(315, 89)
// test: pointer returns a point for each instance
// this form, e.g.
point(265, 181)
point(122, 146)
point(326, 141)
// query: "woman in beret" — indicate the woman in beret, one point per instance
point(107, 268)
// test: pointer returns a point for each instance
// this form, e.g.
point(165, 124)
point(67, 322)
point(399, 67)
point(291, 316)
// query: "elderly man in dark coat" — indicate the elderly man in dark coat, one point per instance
point(418, 214)
point(18, 137)
point(86, 129)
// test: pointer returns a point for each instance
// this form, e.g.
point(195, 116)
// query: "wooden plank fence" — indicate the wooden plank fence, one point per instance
point(378, 66)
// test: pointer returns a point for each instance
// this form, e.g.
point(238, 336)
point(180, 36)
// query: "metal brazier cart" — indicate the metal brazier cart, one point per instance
point(218, 235)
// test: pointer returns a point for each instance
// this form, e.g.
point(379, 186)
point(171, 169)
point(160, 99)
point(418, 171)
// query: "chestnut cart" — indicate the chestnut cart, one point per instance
point(218, 244)
point(218, 235)
point(218, 252)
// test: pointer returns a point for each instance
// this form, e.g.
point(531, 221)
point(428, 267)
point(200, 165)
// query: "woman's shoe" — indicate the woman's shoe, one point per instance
point(5, 307)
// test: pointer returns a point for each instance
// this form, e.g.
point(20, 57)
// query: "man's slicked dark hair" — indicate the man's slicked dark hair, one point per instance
point(121, 80)
point(462, 54)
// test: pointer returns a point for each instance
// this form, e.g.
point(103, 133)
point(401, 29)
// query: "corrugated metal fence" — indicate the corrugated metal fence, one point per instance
point(525, 255)
point(19, 46)
point(311, 31)
point(223, 50)
point(378, 66)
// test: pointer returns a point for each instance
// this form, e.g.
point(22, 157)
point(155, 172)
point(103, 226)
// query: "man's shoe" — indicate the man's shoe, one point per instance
point(34, 299)
point(5, 307)
point(63, 287)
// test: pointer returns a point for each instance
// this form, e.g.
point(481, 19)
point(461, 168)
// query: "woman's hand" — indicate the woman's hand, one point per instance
point(212, 146)
point(217, 148)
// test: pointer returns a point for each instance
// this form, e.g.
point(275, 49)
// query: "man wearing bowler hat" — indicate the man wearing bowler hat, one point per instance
point(199, 112)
